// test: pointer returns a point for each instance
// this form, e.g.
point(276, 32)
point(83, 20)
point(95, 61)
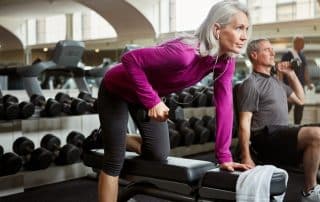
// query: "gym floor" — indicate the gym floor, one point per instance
point(85, 190)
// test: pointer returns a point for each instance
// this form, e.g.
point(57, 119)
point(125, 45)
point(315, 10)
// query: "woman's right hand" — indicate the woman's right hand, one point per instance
point(160, 112)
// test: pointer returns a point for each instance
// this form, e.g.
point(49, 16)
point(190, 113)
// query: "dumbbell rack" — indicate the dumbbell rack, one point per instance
point(35, 129)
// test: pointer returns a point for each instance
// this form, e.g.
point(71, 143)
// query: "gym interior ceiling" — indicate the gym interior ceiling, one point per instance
point(131, 21)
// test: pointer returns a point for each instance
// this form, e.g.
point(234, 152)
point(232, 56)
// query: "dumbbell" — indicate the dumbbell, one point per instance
point(93, 141)
point(185, 99)
point(10, 107)
point(10, 163)
point(91, 102)
point(202, 133)
point(174, 135)
point(172, 101)
point(76, 138)
point(174, 114)
point(25, 109)
point(32, 159)
point(68, 154)
point(71, 106)
point(199, 96)
point(210, 123)
point(49, 108)
point(187, 134)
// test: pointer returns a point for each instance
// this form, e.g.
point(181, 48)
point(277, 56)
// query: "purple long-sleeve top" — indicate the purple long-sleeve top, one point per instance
point(144, 75)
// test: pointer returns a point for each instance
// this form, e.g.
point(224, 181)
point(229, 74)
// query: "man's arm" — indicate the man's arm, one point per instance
point(244, 137)
point(297, 96)
point(307, 79)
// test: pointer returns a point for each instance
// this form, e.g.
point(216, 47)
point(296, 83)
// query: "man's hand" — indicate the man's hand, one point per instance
point(284, 67)
point(231, 166)
point(159, 112)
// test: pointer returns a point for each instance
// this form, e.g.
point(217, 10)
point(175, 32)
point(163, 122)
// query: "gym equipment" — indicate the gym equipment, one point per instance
point(49, 108)
point(66, 57)
point(176, 179)
point(25, 109)
point(202, 134)
point(187, 134)
point(93, 141)
point(10, 107)
point(71, 106)
point(68, 154)
point(174, 114)
point(10, 164)
point(175, 138)
point(210, 123)
point(76, 138)
point(91, 102)
point(199, 96)
point(32, 159)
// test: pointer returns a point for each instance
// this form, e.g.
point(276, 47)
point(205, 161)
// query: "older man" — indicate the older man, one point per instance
point(263, 118)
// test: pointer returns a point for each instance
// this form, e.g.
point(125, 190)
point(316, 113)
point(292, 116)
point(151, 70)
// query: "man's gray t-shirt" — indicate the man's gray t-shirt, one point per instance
point(266, 97)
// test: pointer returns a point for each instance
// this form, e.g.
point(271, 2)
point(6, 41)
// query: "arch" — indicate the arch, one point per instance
point(126, 19)
point(9, 41)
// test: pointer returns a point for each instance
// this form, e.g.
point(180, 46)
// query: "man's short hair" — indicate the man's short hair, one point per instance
point(253, 46)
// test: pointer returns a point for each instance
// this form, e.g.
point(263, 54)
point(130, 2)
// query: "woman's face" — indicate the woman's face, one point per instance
point(234, 35)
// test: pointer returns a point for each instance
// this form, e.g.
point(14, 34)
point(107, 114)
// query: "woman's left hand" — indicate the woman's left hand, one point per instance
point(231, 166)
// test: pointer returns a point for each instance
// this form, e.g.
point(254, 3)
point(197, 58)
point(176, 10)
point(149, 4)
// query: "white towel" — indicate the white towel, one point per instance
point(254, 185)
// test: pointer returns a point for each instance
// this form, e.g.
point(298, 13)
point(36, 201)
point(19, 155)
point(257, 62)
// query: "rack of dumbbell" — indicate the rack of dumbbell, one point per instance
point(195, 131)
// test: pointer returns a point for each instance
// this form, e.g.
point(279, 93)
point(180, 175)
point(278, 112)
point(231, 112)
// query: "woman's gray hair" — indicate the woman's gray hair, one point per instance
point(220, 13)
point(253, 46)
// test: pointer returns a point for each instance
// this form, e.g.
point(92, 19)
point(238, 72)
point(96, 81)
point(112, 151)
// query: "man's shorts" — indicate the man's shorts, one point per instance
point(277, 144)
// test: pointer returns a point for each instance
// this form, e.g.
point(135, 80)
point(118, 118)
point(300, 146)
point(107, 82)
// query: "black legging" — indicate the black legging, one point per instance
point(113, 115)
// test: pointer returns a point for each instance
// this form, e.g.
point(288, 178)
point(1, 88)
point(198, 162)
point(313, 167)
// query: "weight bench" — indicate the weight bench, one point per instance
point(176, 179)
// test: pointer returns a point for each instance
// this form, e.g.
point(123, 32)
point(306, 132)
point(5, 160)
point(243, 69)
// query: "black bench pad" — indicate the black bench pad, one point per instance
point(181, 170)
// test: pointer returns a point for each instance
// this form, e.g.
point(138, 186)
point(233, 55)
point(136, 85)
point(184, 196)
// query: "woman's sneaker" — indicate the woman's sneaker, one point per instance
point(312, 196)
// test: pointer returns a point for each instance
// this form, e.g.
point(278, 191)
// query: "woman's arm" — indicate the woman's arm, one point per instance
point(224, 112)
point(138, 61)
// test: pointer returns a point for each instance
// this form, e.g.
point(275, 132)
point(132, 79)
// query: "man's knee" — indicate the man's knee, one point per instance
point(310, 136)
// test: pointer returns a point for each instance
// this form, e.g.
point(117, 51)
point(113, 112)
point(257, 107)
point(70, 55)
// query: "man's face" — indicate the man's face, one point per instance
point(265, 55)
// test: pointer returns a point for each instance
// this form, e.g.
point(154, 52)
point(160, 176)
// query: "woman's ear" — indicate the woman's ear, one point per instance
point(216, 30)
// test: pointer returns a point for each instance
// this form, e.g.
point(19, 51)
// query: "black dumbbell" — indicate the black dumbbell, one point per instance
point(32, 159)
point(175, 138)
point(10, 163)
point(92, 102)
point(76, 138)
point(199, 96)
point(71, 106)
point(202, 133)
point(172, 100)
point(93, 141)
point(174, 114)
point(49, 108)
point(210, 123)
point(25, 109)
point(187, 134)
point(185, 99)
point(11, 107)
point(68, 154)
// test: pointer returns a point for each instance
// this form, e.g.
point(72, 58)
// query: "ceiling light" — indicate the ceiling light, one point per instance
point(97, 50)
point(45, 49)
